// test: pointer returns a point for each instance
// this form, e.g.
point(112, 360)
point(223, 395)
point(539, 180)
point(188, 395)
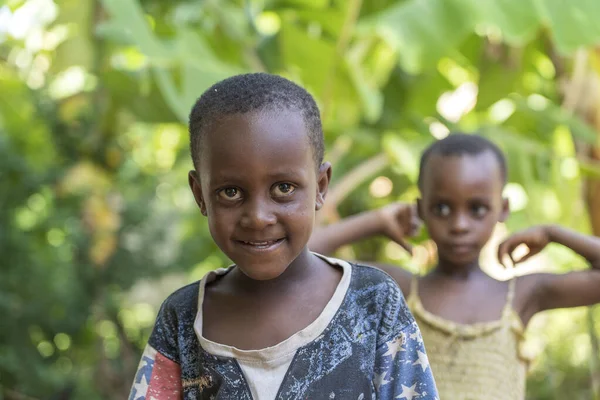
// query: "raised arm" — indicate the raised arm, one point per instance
point(396, 221)
point(549, 291)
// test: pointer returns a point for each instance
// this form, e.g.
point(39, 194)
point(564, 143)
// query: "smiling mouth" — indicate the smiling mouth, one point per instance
point(261, 244)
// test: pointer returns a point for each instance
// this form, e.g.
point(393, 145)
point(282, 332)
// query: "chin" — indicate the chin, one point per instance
point(463, 259)
point(262, 272)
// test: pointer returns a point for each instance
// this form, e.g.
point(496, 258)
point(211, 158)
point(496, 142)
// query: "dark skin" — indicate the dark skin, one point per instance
point(460, 205)
point(259, 186)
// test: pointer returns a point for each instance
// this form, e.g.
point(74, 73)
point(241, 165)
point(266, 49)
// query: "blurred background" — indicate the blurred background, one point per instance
point(97, 224)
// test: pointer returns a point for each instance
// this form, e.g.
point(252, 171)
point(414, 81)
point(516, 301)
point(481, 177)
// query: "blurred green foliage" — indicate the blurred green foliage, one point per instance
point(97, 225)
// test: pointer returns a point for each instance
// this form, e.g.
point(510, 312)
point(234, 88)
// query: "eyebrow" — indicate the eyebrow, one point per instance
point(291, 174)
point(448, 199)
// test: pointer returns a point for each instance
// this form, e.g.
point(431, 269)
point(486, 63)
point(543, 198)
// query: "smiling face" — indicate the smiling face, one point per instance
point(259, 187)
point(461, 203)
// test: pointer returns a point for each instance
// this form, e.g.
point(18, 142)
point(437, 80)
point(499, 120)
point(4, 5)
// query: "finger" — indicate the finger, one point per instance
point(415, 222)
point(414, 211)
point(397, 235)
point(415, 229)
point(415, 226)
point(405, 245)
point(512, 258)
point(404, 220)
point(530, 253)
point(505, 251)
point(502, 253)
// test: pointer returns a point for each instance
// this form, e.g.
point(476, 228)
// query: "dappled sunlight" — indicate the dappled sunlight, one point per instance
point(501, 110)
point(454, 105)
point(381, 186)
point(98, 224)
point(438, 130)
point(516, 195)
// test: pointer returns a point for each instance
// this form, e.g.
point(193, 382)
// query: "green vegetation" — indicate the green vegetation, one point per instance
point(97, 224)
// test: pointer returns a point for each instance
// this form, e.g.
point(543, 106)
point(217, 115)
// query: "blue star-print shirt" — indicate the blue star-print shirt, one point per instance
point(371, 349)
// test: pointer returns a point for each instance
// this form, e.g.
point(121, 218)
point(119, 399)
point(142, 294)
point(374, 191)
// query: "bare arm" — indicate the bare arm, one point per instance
point(392, 221)
point(326, 240)
point(550, 291)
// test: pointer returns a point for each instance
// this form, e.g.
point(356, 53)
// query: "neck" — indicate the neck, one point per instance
point(297, 272)
point(456, 271)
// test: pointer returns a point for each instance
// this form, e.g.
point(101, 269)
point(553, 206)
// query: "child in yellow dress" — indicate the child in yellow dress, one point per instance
point(472, 324)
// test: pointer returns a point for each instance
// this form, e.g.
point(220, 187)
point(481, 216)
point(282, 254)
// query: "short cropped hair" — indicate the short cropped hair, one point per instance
point(254, 92)
point(457, 144)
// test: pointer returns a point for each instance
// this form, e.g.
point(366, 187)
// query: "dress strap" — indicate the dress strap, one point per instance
point(510, 296)
point(414, 285)
point(413, 296)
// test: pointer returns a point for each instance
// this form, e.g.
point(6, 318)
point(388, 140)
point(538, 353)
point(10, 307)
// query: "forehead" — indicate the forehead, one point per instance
point(462, 176)
point(251, 142)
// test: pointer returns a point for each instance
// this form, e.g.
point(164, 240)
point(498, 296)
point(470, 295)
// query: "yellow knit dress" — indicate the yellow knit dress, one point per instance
point(480, 361)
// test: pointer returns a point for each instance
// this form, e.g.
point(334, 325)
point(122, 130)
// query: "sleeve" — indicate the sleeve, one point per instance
point(158, 376)
point(402, 369)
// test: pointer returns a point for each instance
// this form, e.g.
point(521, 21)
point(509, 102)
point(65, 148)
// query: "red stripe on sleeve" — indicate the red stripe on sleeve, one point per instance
point(165, 383)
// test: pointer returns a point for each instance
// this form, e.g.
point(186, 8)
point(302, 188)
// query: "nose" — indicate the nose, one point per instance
point(460, 223)
point(257, 214)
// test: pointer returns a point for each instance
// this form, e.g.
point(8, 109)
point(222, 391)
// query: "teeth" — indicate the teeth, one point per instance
point(260, 244)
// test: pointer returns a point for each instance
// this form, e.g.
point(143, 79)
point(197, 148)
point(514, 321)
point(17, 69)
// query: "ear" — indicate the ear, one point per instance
point(323, 178)
point(419, 209)
point(505, 210)
point(194, 181)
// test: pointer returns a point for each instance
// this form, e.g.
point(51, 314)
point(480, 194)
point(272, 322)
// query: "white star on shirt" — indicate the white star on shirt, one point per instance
point(141, 388)
point(422, 361)
point(408, 392)
point(395, 346)
point(380, 380)
point(416, 336)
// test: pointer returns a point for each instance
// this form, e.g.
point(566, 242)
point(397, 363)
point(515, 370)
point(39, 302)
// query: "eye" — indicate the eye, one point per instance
point(479, 210)
point(283, 189)
point(230, 193)
point(441, 210)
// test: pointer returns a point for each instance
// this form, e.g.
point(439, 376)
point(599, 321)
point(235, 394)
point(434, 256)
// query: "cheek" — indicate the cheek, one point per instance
point(299, 214)
point(486, 228)
point(220, 220)
point(433, 226)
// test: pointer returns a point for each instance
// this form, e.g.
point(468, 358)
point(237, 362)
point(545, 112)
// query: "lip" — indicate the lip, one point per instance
point(461, 248)
point(261, 246)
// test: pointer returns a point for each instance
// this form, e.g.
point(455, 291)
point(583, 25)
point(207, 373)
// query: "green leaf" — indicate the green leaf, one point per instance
point(553, 115)
point(128, 17)
point(402, 155)
point(517, 21)
point(422, 31)
point(573, 23)
point(308, 56)
point(199, 67)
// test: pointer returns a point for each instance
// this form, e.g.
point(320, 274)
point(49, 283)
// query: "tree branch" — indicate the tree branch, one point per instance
point(348, 183)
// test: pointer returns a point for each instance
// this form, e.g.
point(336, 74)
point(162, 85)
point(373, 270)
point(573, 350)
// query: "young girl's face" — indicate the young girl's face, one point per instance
point(259, 187)
point(461, 204)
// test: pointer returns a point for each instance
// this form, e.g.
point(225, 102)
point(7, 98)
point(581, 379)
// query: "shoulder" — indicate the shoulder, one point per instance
point(175, 320)
point(179, 308)
point(402, 277)
point(369, 275)
point(183, 300)
point(385, 297)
